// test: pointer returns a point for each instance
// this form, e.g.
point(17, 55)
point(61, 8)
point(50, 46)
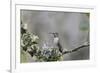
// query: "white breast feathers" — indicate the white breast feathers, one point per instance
point(56, 40)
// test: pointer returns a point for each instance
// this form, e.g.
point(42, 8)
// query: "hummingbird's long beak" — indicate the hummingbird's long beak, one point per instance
point(51, 33)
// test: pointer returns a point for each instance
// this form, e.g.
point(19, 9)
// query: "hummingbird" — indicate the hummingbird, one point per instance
point(56, 41)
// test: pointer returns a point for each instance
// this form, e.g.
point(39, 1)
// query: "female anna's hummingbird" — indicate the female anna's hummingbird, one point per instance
point(56, 42)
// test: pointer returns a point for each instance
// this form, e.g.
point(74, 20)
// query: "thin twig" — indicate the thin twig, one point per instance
point(76, 49)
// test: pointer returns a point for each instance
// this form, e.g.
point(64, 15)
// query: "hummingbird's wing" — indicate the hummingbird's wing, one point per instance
point(60, 47)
